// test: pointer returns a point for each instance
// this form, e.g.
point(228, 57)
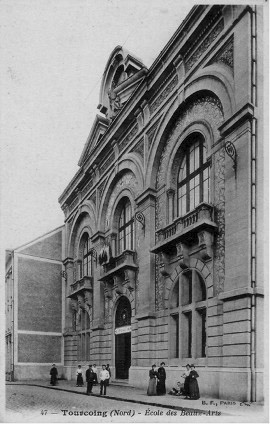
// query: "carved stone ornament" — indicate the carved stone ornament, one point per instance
point(117, 284)
point(130, 278)
point(206, 242)
point(108, 290)
point(163, 264)
point(114, 99)
point(81, 303)
point(182, 252)
point(74, 304)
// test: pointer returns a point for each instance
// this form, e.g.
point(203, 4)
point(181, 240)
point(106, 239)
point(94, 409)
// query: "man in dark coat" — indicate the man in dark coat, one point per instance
point(161, 387)
point(53, 374)
point(90, 378)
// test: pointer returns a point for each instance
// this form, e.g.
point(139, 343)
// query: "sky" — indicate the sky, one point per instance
point(53, 55)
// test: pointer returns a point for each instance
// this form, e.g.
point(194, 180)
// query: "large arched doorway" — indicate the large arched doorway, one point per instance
point(122, 338)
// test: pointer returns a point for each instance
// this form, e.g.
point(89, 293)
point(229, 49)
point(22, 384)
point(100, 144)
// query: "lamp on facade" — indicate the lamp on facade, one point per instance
point(231, 152)
point(64, 275)
point(141, 219)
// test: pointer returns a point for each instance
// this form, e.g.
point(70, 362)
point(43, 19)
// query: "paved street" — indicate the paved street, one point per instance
point(37, 404)
point(37, 401)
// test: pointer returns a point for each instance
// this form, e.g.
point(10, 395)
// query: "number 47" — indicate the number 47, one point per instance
point(43, 412)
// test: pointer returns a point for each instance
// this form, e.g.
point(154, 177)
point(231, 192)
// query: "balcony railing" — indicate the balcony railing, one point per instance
point(85, 283)
point(126, 259)
point(192, 222)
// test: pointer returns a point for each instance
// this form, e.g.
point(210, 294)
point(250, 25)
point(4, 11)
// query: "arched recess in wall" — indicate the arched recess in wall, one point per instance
point(213, 86)
point(129, 177)
point(85, 218)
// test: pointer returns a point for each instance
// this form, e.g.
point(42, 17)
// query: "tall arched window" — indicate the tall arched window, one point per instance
point(188, 316)
point(126, 227)
point(87, 258)
point(194, 175)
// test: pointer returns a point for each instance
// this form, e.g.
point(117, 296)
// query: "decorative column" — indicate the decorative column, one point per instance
point(113, 244)
point(170, 194)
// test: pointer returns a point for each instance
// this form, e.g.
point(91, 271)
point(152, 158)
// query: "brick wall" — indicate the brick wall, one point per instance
point(39, 295)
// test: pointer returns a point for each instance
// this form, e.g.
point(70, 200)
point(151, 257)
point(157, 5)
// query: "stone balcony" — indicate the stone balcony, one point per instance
point(120, 271)
point(81, 286)
point(186, 229)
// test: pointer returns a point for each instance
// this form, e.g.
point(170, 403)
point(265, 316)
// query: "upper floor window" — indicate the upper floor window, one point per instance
point(87, 258)
point(126, 227)
point(194, 175)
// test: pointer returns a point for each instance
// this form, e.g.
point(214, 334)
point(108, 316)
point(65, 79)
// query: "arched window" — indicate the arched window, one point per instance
point(194, 175)
point(87, 258)
point(126, 227)
point(188, 316)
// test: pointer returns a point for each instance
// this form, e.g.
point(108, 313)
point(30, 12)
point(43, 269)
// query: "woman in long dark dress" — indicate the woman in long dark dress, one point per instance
point(152, 389)
point(161, 375)
point(194, 392)
point(186, 382)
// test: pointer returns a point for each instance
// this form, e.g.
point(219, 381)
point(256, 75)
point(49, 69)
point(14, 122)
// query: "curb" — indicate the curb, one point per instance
point(142, 402)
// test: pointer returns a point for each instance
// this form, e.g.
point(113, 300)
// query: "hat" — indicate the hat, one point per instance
point(162, 363)
point(154, 365)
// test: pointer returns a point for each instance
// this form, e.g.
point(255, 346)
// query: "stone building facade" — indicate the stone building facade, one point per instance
point(162, 254)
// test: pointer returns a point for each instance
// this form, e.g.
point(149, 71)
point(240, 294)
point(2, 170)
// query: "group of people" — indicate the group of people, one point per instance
point(156, 386)
point(189, 389)
point(90, 376)
point(104, 378)
point(157, 380)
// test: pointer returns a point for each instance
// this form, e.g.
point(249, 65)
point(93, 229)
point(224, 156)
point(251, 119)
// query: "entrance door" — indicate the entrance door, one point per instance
point(122, 354)
point(123, 338)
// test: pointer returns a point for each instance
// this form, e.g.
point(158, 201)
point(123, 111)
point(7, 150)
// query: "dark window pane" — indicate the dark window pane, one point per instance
point(175, 336)
point(186, 334)
point(194, 176)
point(125, 228)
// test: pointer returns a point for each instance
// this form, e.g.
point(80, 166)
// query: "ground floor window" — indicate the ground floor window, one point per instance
point(188, 317)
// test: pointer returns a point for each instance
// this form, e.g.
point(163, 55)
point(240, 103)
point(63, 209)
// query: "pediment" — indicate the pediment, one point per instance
point(99, 127)
point(123, 73)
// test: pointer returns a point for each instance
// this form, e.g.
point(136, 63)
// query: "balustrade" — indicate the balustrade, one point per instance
point(186, 226)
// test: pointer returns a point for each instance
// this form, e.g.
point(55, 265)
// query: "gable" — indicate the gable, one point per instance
point(99, 127)
point(122, 75)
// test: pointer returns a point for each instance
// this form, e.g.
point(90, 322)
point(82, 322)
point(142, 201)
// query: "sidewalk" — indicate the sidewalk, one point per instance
point(126, 393)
